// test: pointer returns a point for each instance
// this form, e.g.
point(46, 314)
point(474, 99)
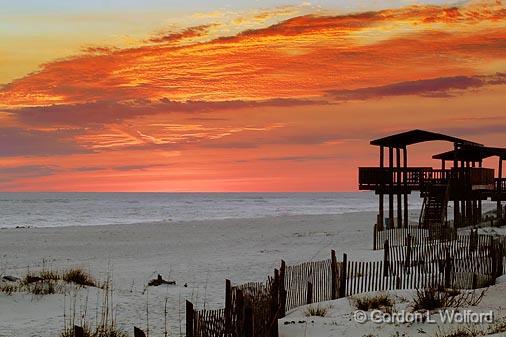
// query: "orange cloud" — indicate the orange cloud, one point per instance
point(283, 60)
point(188, 33)
point(263, 109)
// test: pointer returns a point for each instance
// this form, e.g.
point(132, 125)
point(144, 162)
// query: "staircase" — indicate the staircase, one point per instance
point(434, 205)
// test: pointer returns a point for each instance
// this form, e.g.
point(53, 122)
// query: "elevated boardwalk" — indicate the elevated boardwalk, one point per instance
point(466, 183)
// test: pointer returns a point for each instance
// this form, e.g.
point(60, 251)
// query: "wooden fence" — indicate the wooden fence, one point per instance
point(463, 245)
point(251, 310)
point(397, 236)
point(310, 282)
point(418, 259)
point(469, 261)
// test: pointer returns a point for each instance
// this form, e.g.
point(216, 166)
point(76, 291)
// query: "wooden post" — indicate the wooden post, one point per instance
point(391, 188)
point(239, 311)
point(333, 267)
point(275, 304)
point(473, 240)
point(399, 186)
point(309, 297)
point(228, 307)
point(407, 263)
point(139, 333)
point(500, 255)
point(342, 286)
point(381, 215)
point(499, 208)
point(282, 290)
point(375, 237)
point(385, 258)
point(248, 321)
point(406, 212)
point(447, 270)
point(78, 331)
point(493, 257)
point(456, 220)
point(190, 316)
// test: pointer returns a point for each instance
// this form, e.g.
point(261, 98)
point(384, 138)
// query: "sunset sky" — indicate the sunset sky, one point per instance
point(238, 95)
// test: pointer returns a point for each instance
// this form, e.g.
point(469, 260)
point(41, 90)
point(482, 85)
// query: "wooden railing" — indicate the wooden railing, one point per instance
point(371, 178)
point(476, 177)
point(411, 177)
point(500, 184)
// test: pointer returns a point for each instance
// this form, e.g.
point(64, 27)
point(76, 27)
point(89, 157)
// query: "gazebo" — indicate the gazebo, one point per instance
point(466, 182)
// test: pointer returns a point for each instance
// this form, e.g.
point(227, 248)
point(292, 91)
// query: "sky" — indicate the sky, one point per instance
point(183, 96)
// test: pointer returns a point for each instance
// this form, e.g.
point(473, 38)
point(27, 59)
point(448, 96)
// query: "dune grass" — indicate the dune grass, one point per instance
point(372, 302)
point(316, 311)
point(49, 281)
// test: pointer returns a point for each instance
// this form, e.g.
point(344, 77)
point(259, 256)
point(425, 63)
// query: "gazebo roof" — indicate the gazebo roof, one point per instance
point(418, 136)
point(472, 153)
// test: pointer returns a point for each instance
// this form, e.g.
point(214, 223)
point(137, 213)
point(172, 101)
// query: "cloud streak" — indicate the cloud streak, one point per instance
point(284, 60)
point(436, 87)
point(26, 142)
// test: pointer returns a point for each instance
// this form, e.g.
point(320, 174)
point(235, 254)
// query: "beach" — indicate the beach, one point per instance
point(200, 253)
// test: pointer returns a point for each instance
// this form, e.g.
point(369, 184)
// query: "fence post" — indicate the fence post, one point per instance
point(275, 304)
point(386, 254)
point(333, 268)
point(499, 254)
point(228, 307)
point(375, 237)
point(248, 321)
point(309, 297)
point(407, 263)
point(447, 270)
point(239, 311)
point(282, 290)
point(493, 256)
point(473, 240)
point(342, 286)
point(138, 332)
point(190, 316)
point(78, 331)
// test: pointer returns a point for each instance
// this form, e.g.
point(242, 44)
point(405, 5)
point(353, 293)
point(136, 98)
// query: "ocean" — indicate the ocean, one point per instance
point(88, 209)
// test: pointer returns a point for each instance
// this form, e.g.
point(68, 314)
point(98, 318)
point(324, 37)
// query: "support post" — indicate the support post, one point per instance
point(381, 215)
point(406, 212)
point(399, 187)
point(456, 220)
point(499, 207)
point(391, 188)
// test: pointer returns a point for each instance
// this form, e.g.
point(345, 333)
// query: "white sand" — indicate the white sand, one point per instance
point(201, 253)
point(340, 320)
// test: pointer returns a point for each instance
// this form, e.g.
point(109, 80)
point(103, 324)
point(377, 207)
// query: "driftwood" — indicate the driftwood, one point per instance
point(159, 281)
